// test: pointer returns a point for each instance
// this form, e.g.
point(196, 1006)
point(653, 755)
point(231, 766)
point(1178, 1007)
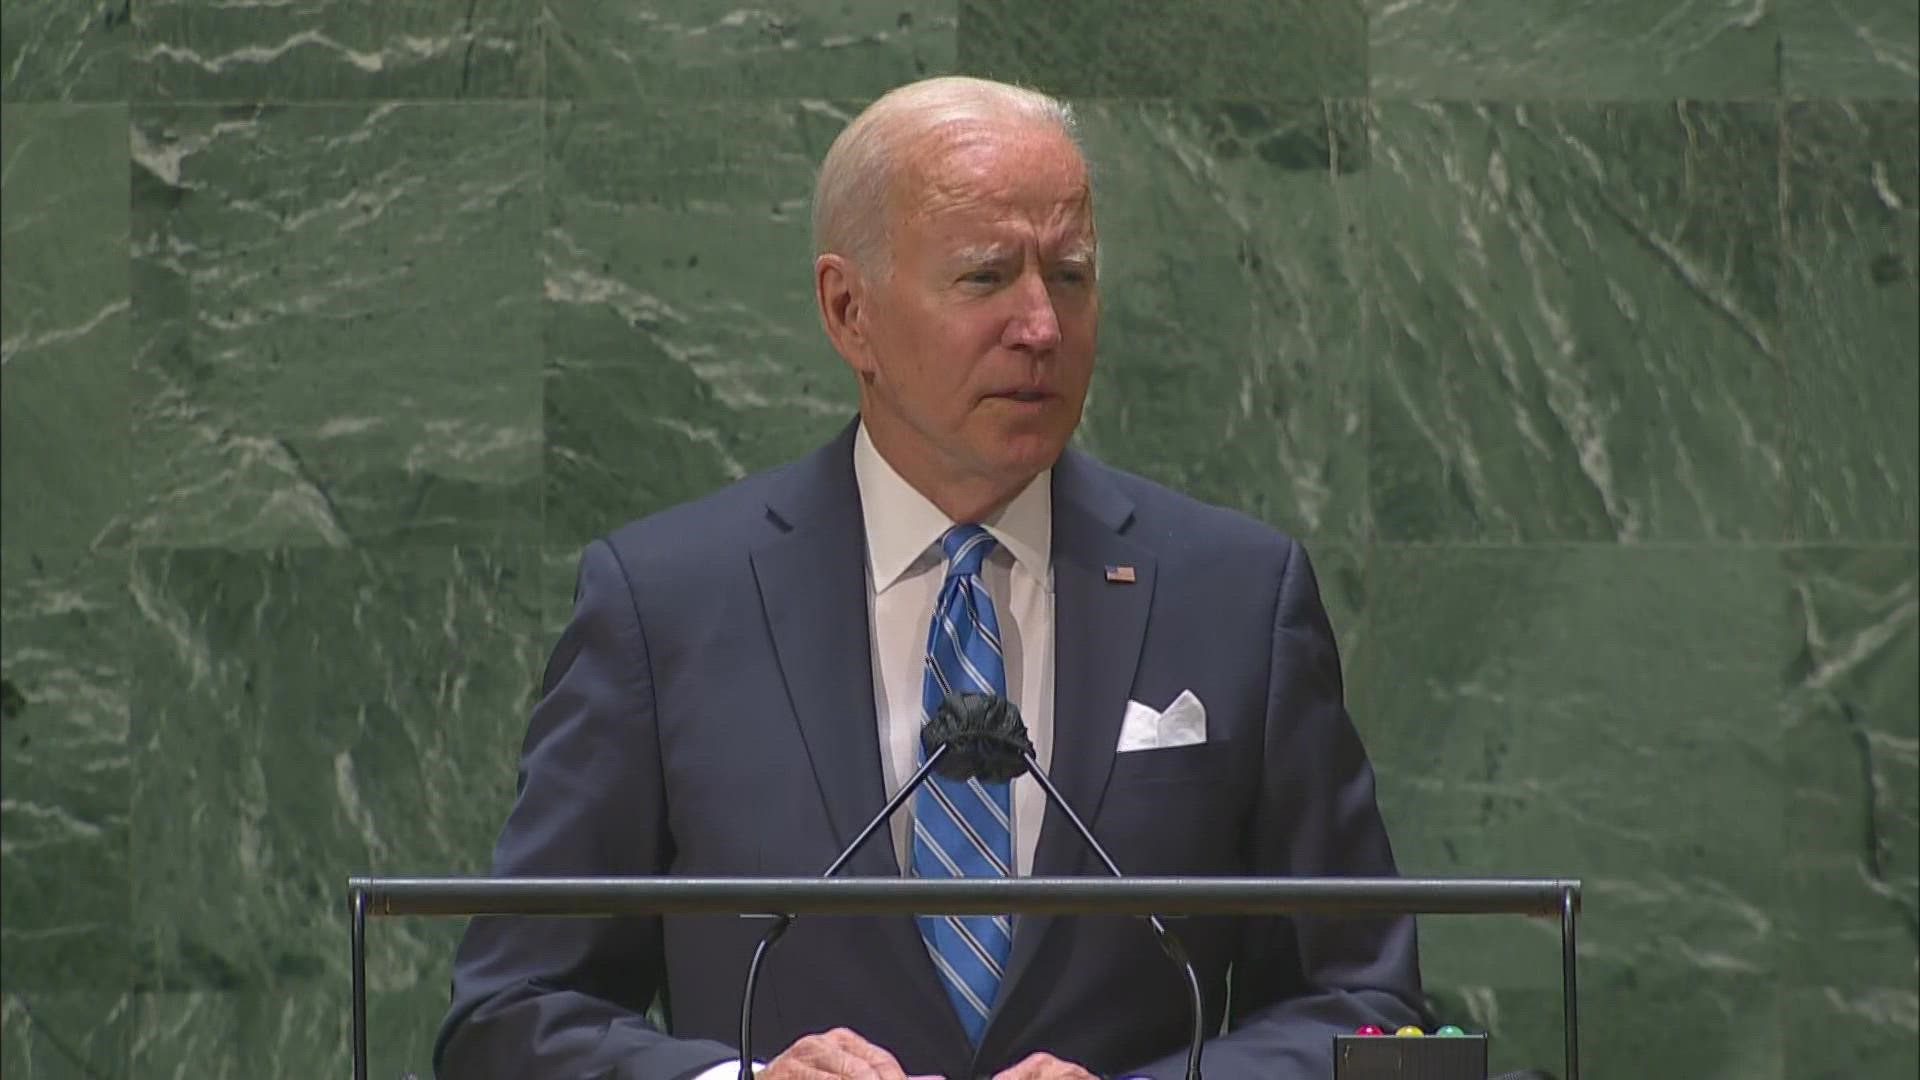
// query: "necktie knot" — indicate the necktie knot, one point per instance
point(966, 548)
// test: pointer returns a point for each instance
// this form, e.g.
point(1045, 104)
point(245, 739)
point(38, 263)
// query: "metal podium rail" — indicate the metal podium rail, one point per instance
point(601, 897)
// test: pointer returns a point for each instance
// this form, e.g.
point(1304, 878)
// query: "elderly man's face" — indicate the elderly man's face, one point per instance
point(980, 342)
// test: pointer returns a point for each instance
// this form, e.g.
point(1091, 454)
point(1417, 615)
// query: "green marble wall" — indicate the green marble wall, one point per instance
point(1577, 336)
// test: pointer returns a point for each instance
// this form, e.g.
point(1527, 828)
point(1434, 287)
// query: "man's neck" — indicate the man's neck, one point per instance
point(965, 499)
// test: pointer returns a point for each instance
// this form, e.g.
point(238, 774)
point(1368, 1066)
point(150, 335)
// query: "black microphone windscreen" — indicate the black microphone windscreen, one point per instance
point(985, 736)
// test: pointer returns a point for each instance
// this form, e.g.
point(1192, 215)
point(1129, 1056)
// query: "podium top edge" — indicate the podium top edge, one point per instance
point(610, 896)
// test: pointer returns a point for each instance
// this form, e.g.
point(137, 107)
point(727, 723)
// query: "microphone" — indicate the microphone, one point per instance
point(982, 735)
point(977, 735)
point(960, 735)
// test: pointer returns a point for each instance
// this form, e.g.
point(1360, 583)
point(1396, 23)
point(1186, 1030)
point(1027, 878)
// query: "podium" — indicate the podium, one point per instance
point(603, 897)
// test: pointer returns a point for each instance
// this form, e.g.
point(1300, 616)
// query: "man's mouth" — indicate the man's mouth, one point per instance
point(1027, 396)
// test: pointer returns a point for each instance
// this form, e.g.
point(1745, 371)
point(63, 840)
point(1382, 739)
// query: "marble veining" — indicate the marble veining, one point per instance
point(694, 50)
point(340, 50)
point(1852, 213)
point(67, 762)
point(1850, 49)
point(1610, 50)
point(63, 50)
point(1577, 316)
point(334, 346)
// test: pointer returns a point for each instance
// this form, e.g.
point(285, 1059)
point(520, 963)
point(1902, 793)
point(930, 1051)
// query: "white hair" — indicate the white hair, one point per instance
point(850, 194)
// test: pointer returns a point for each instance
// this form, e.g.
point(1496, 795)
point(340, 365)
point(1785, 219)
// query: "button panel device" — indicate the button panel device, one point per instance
point(1410, 1054)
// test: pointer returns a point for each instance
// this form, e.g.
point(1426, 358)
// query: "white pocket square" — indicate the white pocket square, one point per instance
point(1183, 723)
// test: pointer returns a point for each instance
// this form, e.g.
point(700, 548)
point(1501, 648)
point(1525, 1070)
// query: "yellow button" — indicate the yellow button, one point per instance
point(1409, 1030)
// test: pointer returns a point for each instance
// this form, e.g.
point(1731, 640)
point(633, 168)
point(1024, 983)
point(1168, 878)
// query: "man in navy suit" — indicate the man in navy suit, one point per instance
point(743, 678)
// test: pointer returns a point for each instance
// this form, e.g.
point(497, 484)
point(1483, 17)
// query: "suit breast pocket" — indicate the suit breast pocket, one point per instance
point(1199, 763)
point(1172, 811)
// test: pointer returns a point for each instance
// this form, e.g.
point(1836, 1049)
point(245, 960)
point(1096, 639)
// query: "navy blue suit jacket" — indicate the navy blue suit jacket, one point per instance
point(709, 711)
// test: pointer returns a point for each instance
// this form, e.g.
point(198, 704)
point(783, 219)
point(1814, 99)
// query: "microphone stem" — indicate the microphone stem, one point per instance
point(886, 813)
point(1060, 803)
point(779, 927)
point(782, 922)
point(1169, 944)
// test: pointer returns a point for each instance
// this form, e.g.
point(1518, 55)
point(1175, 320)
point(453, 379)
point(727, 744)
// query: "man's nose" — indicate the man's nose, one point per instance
point(1035, 325)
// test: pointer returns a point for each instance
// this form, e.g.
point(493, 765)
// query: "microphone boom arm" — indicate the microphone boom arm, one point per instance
point(782, 921)
point(886, 813)
point(1170, 944)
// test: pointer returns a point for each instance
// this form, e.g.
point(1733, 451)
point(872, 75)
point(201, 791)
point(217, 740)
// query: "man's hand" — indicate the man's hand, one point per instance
point(1046, 1067)
point(839, 1054)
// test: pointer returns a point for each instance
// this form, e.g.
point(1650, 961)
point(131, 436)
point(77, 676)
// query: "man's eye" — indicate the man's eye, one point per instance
point(1071, 277)
point(982, 277)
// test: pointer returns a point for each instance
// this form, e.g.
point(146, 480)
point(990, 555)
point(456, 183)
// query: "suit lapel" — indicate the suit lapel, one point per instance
point(1099, 626)
point(812, 586)
point(812, 581)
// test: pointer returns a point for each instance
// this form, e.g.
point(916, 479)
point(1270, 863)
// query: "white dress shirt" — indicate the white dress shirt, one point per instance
point(905, 570)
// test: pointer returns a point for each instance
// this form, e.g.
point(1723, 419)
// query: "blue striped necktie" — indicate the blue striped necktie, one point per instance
point(962, 829)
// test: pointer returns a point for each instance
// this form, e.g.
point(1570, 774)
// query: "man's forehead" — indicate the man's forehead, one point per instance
point(987, 219)
point(1061, 197)
point(989, 173)
point(970, 228)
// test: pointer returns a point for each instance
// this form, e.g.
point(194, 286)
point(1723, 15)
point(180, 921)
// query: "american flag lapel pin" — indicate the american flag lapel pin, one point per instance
point(1124, 575)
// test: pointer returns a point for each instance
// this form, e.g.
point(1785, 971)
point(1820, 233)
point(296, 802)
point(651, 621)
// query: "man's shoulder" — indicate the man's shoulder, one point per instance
point(713, 526)
point(1178, 525)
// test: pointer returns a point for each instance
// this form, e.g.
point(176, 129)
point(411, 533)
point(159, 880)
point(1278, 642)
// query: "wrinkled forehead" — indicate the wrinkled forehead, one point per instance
point(978, 177)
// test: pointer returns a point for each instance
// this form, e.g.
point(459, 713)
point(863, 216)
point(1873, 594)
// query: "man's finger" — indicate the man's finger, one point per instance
point(794, 1064)
point(1044, 1066)
point(883, 1065)
point(1024, 1070)
point(818, 1057)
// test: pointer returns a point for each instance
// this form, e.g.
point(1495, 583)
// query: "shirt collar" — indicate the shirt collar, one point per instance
point(903, 524)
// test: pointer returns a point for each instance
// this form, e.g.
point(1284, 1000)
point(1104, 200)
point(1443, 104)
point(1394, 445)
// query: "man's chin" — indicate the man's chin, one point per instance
point(1027, 454)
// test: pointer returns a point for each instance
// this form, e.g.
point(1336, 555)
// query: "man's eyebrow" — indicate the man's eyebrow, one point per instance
point(979, 254)
point(1080, 251)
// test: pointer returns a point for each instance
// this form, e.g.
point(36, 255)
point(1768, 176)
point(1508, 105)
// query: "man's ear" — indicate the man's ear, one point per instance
point(840, 291)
